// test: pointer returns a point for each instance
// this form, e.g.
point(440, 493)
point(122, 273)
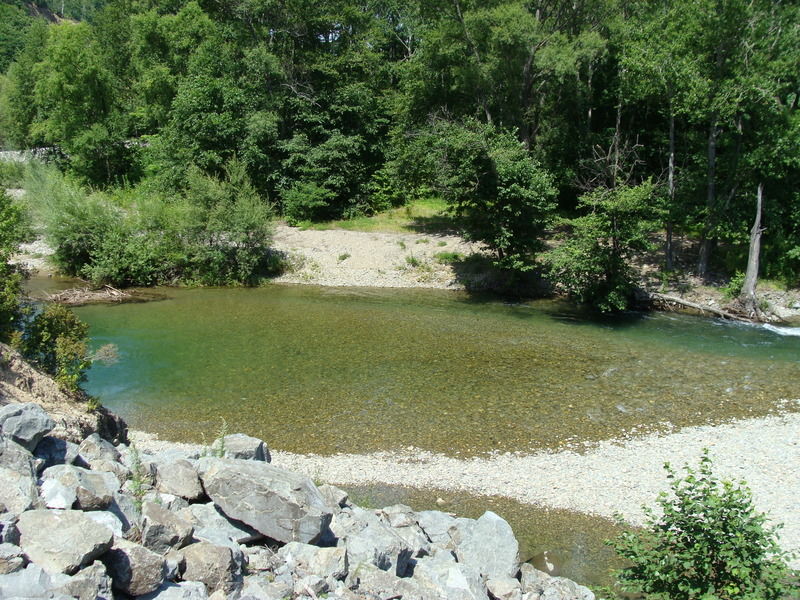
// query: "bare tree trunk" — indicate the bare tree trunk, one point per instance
point(671, 188)
point(747, 297)
point(711, 196)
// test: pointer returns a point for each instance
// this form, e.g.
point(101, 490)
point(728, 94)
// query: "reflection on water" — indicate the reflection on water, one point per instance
point(354, 370)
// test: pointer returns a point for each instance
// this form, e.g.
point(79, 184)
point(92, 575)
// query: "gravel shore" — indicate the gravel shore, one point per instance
point(610, 477)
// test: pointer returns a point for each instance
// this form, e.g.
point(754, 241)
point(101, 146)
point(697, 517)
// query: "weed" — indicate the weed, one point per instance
point(447, 258)
point(413, 261)
point(441, 243)
point(93, 404)
point(138, 487)
point(402, 245)
point(344, 256)
point(422, 241)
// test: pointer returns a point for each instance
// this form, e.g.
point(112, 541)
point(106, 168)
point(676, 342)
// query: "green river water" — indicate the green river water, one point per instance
point(356, 370)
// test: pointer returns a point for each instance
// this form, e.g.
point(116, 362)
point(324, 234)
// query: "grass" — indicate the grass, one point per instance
point(448, 257)
point(423, 215)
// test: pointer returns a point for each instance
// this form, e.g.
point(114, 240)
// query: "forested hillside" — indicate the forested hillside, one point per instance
point(606, 119)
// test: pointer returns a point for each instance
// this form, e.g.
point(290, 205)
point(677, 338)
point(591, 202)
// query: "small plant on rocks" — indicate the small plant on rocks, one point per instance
point(709, 544)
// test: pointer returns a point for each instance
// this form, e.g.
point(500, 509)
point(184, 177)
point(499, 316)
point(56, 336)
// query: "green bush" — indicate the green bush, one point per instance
point(11, 233)
point(12, 174)
point(734, 286)
point(709, 544)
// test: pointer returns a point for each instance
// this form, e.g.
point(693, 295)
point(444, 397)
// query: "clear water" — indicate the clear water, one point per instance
point(355, 370)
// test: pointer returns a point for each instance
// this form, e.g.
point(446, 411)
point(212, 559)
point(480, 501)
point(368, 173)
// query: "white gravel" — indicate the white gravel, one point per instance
point(610, 477)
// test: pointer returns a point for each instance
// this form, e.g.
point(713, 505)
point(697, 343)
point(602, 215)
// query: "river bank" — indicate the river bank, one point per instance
point(610, 477)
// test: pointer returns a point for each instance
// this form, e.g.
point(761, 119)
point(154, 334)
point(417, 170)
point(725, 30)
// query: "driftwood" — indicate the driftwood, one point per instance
point(86, 295)
point(672, 300)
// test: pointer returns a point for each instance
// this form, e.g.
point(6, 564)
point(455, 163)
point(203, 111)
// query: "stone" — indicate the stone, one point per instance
point(538, 585)
point(28, 583)
point(504, 588)
point(490, 547)
point(94, 490)
point(179, 478)
point(62, 541)
point(124, 507)
point(311, 560)
point(107, 519)
point(169, 501)
point(55, 494)
point(163, 530)
point(311, 585)
point(134, 569)
point(9, 534)
point(120, 471)
point(245, 447)
point(453, 580)
point(18, 491)
point(259, 588)
point(260, 558)
point(11, 559)
point(436, 526)
point(207, 517)
point(176, 565)
point(369, 540)
point(91, 583)
point(403, 521)
point(15, 457)
point(370, 581)
point(185, 590)
point(94, 447)
point(214, 565)
point(284, 506)
point(26, 424)
point(335, 497)
point(53, 451)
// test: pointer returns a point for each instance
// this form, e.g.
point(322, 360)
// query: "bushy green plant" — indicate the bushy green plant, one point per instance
point(734, 287)
point(11, 233)
point(709, 543)
point(592, 264)
point(55, 340)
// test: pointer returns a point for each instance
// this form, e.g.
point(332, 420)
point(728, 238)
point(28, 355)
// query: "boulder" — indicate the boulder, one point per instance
point(125, 508)
point(311, 560)
point(15, 457)
point(55, 494)
point(11, 559)
point(53, 451)
point(91, 583)
point(374, 582)
point(62, 541)
point(180, 479)
point(369, 540)
point(32, 582)
point(214, 565)
point(185, 590)
point(334, 496)
point(403, 521)
point(260, 558)
point(120, 471)
point(163, 530)
point(490, 547)
point(94, 447)
point(261, 588)
point(26, 424)
point(169, 501)
point(9, 534)
point(437, 526)
point(311, 585)
point(107, 519)
point(284, 506)
point(453, 580)
point(134, 569)
point(206, 517)
point(538, 585)
point(93, 490)
point(504, 588)
point(239, 445)
point(18, 491)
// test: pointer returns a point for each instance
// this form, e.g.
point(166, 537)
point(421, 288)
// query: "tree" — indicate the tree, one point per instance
point(498, 194)
point(11, 234)
point(592, 264)
point(709, 544)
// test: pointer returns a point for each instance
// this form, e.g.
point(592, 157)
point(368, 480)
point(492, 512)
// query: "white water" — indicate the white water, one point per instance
point(790, 331)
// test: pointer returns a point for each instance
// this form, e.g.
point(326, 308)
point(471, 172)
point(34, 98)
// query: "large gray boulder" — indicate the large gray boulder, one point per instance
point(33, 582)
point(9, 534)
point(284, 506)
point(26, 424)
point(403, 521)
point(490, 547)
point(216, 566)
point(62, 541)
point(437, 525)
point(372, 582)
point(163, 530)
point(107, 519)
point(185, 590)
point(369, 540)
point(312, 560)
point(179, 478)
point(538, 585)
point(207, 517)
point(18, 490)
point(55, 494)
point(245, 447)
point(15, 457)
point(453, 580)
point(91, 583)
point(134, 569)
point(93, 490)
point(94, 447)
point(11, 559)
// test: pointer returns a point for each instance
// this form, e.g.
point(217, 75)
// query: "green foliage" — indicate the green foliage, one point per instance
point(709, 544)
point(592, 263)
point(499, 195)
point(733, 288)
point(11, 233)
point(55, 341)
point(448, 257)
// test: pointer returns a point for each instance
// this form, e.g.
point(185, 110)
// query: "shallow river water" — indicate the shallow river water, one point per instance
point(331, 370)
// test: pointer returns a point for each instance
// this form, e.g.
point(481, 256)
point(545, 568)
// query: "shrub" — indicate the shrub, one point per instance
point(11, 232)
point(734, 286)
point(709, 544)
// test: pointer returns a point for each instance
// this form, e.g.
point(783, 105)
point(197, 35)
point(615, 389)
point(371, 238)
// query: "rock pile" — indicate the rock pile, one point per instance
point(94, 520)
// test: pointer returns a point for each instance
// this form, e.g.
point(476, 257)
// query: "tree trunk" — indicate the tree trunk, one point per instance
point(747, 297)
point(671, 188)
point(711, 196)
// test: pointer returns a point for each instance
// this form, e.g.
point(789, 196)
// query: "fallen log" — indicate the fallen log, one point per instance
point(667, 300)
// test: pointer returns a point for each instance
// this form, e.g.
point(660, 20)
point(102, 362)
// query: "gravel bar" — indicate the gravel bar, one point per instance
point(608, 478)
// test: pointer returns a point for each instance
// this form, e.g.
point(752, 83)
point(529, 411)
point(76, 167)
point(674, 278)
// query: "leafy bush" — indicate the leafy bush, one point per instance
point(709, 544)
point(12, 174)
point(11, 233)
point(734, 286)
